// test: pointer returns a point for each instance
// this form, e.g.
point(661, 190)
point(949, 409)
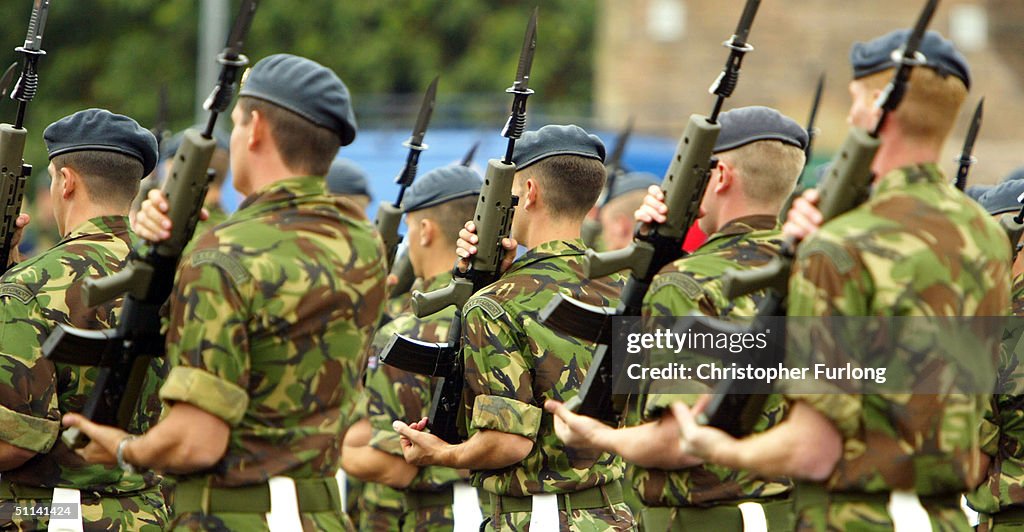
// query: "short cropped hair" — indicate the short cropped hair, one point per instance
point(768, 169)
point(110, 178)
point(304, 146)
point(569, 184)
point(930, 107)
point(450, 216)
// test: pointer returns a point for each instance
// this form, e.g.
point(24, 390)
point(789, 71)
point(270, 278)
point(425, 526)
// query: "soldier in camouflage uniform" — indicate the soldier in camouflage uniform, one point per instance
point(917, 247)
point(435, 205)
point(616, 216)
point(269, 318)
point(96, 161)
point(760, 155)
point(513, 364)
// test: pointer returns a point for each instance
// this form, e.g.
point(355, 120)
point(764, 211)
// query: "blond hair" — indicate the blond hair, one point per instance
point(929, 109)
point(768, 169)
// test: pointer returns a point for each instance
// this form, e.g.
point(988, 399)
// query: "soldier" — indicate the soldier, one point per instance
point(760, 155)
point(97, 159)
point(616, 216)
point(513, 363)
point(435, 205)
point(917, 247)
point(269, 318)
point(348, 180)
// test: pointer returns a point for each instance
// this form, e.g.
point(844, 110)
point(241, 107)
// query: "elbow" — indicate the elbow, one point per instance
point(515, 449)
point(815, 459)
point(195, 455)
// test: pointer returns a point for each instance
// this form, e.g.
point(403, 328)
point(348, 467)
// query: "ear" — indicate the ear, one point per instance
point(726, 177)
point(259, 129)
point(532, 194)
point(70, 180)
point(426, 232)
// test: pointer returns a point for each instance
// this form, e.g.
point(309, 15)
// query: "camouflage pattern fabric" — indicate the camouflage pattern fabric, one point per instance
point(618, 518)
point(396, 394)
point(693, 284)
point(269, 320)
point(35, 296)
point(917, 247)
point(513, 364)
point(381, 508)
point(217, 216)
point(1017, 296)
point(143, 511)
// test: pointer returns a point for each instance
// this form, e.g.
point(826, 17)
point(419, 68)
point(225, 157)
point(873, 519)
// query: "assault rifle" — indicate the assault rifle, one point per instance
point(493, 218)
point(654, 245)
point(124, 353)
point(966, 160)
point(13, 170)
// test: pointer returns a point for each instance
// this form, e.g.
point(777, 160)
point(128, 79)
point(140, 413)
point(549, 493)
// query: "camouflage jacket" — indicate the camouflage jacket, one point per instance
point(269, 318)
point(35, 296)
point(693, 284)
point(396, 394)
point(917, 247)
point(217, 215)
point(513, 364)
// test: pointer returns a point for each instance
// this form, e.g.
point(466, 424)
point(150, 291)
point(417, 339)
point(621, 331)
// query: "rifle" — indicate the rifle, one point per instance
point(123, 353)
point(966, 160)
point(389, 215)
point(612, 167)
point(845, 186)
point(13, 171)
point(493, 217)
point(812, 132)
point(403, 267)
point(653, 246)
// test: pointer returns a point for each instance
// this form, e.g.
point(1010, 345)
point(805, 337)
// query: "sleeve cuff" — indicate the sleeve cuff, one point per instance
point(206, 391)
point(843, 410)
point(28, 432)
point(386, 440)
point(492, 412)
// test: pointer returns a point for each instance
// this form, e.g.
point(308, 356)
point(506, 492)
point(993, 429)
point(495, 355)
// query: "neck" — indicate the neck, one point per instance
point(266, 170)
point(79, 214)
point(732, 209)
point(543, 228)
point(898, 151)
point(436, 262)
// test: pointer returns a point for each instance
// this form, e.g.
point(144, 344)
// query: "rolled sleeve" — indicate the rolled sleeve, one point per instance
point(492, 412)
point(206, 391)
point(28, 432)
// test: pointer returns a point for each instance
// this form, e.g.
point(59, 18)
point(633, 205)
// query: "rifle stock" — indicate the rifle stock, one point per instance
point(13, 175)
point(387, 221)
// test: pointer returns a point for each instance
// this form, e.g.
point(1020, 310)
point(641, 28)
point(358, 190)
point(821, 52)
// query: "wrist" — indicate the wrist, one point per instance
point(123, 461)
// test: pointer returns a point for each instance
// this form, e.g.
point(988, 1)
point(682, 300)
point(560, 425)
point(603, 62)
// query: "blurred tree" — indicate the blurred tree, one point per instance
point(117, 53)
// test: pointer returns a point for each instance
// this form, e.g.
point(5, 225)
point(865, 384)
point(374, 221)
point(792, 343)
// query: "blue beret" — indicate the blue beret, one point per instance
point(1003, 197)
point(549, 141)
point(441, 185)
point(170, 147)
point(975, 192)
point(101, 130)
point(306, 88)
point(877, 55)
point(345, 177)
point(744, 125)
point(631, 182)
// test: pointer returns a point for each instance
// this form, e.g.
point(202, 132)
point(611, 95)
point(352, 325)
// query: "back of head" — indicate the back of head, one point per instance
point(568, 165)
point(447, 196)
point(936, 90)
point(308, 108)
point(766, 148)
point(627, 193)
point(111, 153)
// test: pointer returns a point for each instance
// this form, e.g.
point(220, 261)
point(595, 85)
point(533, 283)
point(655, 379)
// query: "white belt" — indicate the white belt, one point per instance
point(754, 519)
point(907, 513)
point(544, 513)
point(342, 488)
point(72, 498)
point(284, 506)
point(466, 508)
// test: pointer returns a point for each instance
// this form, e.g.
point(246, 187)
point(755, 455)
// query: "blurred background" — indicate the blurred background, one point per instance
point(598, 63)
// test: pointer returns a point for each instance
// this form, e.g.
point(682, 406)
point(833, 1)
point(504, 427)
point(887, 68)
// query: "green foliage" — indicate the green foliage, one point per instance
point(116, 54)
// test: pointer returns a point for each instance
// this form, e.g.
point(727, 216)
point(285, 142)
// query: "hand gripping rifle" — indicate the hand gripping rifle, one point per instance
point(13, 170)
point(653, 246)
point(591, 229)
point(845, 186)
point(389, 215)
point(493, 218)
point(124, 353)
point(403, 266)
point(966, 160)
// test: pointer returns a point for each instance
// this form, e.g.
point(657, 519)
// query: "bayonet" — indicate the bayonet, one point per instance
point(516, 123)
point(467, 160)
point(522, 82)
point(231, 61)
point(8, 78)
point(907, 57)
point(812, 130)
point(725, 83)
point(966, 159)
point(36, 25)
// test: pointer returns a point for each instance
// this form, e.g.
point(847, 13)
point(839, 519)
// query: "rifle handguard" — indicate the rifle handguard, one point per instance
point(848, 180)
point(185, 190)
point(134, 279)
point(12, 185)
point(458, 291)
point(388, 218)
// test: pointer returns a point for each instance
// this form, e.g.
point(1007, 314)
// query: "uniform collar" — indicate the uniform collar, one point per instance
point(748, 224)
point(549, 249)
point(286, 189)
point(116, 225)
point(908, 175)
point(437, 282)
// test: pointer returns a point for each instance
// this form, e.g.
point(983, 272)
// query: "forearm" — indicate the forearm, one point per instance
point(187, 440)
point(12, 456)
point(487, 449)
point(648, 445)
point(373, 465)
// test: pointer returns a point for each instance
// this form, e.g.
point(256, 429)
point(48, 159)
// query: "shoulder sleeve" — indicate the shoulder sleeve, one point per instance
point(499, 382)
point(207, 339)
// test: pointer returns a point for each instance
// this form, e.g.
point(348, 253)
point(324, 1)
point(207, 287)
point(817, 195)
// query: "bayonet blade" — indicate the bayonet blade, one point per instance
point(7, 79)
point(812, 131)
point(522, 82)
point(739, 38)
point(914, 40)
point(36, 25)
point(615, 157)
point(467, 159)
point(972, 133)
point(426, 111)
point(236, 40)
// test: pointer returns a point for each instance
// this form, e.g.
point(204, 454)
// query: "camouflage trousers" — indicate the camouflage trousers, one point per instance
point(617, 518)
point(430, 519)
point(327, 521)
point(873, 516)
point(143, 511)
point(380, 508)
